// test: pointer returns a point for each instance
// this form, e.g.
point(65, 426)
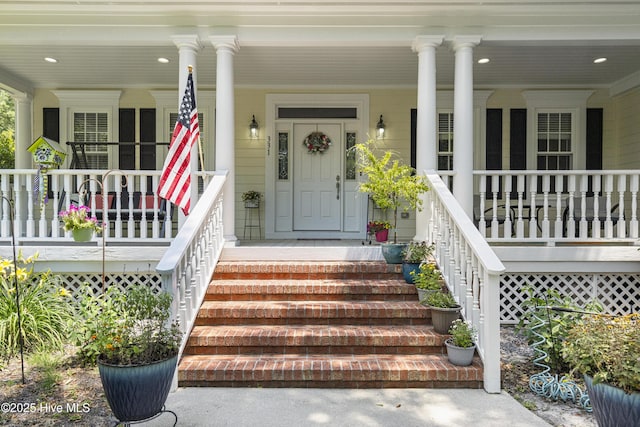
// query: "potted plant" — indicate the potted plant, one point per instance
point(79, 221)
point(392, 185)
point(251, 198)
point(380, 229)
point(606, 351)
point(444, 310)
point(427, 279)
point(129, 335)
point(461, 346)
point(414, 254)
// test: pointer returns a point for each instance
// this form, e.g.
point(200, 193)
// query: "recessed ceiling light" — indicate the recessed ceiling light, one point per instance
point(52, 60)
point(599, 60)
point(163, 60)
point(483, 60)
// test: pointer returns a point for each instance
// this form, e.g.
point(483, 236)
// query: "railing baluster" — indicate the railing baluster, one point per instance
point(622, 188)
point(608, 191)
point(633, 222)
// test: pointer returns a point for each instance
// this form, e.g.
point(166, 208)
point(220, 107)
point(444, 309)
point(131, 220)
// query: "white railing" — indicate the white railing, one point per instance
point(554, 206)
point(124, 200)
point(471, 270)
point(188, 263)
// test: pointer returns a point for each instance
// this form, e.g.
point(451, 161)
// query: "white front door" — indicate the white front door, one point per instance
point(317, 180)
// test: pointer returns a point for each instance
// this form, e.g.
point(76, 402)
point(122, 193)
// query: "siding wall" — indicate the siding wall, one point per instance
point(621, 129)
point(627, 119)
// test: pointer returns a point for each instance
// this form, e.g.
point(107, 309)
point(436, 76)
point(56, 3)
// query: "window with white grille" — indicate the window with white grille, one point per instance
point(173, 118)
point(93, 128)
point(555, 141)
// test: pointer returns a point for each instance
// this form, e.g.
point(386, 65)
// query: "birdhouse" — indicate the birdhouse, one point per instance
point(47, 153)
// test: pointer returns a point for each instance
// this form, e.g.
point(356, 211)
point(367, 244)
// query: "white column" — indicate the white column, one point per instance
point(188, 47)
point(463, 122)
point(426, 122)
point(23, 159)
point(23, 136)
point(226, 47)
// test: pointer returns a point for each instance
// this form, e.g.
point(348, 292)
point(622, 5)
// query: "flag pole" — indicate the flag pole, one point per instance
point(190, 67)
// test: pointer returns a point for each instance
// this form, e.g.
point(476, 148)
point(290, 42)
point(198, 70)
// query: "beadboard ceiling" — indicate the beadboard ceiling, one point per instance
point(115, 44)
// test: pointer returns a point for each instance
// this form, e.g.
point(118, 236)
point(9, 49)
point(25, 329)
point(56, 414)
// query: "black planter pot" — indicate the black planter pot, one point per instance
point(135, 393)
point(612, 407)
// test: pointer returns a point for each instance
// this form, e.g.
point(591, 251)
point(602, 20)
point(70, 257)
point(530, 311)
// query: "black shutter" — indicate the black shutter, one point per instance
point(493, 155)
point(51, 123)
point(594, 138)
point(127, 138)
point(414, 121)
point(148, 138)
point(518, 139)
point(517, 144)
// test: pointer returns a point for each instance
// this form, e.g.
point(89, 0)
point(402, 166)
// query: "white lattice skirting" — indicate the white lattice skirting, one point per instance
point(73, 282)
point(618, 293)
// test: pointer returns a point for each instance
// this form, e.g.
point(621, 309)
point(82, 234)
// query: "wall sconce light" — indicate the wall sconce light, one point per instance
point(380, 128)
point(253, 128)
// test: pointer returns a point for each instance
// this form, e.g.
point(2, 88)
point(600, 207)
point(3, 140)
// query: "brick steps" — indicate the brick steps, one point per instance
point(306, 270)
point(314, 339)
point(311, 313)
point(337, 371)
point(305, 289)
point(316, 324)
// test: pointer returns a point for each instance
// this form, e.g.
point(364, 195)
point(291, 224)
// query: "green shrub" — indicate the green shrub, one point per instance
point(552, 325)
point(441, 299)
point(94, 312)
point(126, 327)
point(45, 308)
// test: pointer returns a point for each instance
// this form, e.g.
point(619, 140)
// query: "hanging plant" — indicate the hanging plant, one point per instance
point(317, 142)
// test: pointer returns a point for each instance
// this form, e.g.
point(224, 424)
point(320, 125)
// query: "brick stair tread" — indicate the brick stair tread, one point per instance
point(338, 370)
point(325, 289)
point(305, 270)
point(310, 266)
point(310, 335)
point(312, 309)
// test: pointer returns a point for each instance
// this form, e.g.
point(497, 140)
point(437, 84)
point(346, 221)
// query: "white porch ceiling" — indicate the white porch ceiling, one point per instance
point(358, 43)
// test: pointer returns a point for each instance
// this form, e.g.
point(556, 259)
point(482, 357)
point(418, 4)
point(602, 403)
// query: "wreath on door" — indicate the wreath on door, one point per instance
point(317, 142)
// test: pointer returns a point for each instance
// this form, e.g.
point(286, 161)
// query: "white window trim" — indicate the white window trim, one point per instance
point(167, 102)
point(89, 101)
point(444, 104)
point(562, 101)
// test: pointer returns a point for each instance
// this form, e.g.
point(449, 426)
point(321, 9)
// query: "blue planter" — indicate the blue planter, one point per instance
point(135, 393)
point(407, 268)
point(612, 407)
point(392, 252)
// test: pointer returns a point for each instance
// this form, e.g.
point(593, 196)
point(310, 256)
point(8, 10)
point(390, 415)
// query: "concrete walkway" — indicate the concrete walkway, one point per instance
point(239, 407)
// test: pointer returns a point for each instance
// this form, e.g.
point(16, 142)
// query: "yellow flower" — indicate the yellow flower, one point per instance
point(63, 292)
point(22, 274)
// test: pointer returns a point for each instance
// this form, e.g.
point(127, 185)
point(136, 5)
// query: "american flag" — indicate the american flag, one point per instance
point(175, 182)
